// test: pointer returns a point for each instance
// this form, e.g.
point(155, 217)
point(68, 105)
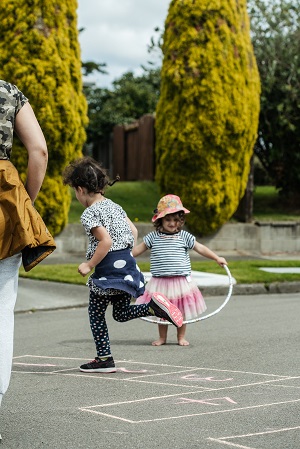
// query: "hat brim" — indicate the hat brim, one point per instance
point(171, 210)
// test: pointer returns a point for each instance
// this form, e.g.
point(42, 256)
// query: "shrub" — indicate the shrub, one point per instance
point(207, 115)
point(39, 52)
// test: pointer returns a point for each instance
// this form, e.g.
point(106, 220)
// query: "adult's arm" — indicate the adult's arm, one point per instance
point(29, 131)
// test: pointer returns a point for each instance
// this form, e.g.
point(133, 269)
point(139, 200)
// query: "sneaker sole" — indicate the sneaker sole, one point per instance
point(172, 311)
point(99, 370)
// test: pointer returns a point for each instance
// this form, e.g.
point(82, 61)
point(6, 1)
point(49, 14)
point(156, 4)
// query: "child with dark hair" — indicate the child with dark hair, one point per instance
point(116, 277)
point(170, 264)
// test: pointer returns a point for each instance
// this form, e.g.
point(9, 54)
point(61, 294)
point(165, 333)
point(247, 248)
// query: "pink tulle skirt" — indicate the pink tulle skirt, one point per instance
point(182, 291)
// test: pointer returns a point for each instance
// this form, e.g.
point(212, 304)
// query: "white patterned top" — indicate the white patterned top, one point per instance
point(113, 217)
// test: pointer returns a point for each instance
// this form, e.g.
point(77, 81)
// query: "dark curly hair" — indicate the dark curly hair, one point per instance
point(87, 173)
point(180, 216)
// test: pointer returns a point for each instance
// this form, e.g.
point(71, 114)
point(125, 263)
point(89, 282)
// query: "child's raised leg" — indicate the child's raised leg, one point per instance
point(180, 336)
point(163, 331)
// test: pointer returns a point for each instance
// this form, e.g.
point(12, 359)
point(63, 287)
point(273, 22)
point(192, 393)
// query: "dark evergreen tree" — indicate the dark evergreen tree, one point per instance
point(275, 28)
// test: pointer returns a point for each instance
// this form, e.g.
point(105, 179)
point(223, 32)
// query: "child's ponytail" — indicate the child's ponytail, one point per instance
point(111, 183)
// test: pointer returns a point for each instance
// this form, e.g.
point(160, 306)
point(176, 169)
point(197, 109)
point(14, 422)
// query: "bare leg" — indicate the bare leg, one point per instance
point(180, 336)
point(163, 331)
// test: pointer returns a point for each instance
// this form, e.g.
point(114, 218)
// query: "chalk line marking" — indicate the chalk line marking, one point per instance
point(264, 382)
point(47, 357)
point(231, 444)
point(119, 370)
point(88, 409)
point(198, 389)
point(103, 376)
point(164, 374)
point(192, 378)
point(129, 421)
point(205, 401)
point(35, 364)
point(159, 364)
point(140, 378)
point(267, 432)
point(125, 370)
point(285, 386)
point(62, 371)
point(134, 401)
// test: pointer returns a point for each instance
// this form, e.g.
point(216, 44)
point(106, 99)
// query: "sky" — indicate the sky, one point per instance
point(117, 32)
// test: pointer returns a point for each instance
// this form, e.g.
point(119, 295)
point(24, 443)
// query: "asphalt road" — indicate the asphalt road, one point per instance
point(237, 385)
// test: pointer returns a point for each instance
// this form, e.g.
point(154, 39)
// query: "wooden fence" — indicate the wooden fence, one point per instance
point(133, 157)
point(130, 154)
point(101, 150)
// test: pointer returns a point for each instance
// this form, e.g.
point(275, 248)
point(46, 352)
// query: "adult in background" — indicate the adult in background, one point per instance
point(20, 224)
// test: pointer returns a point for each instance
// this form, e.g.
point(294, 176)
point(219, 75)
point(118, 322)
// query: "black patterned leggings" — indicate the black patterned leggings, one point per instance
point(122, 311)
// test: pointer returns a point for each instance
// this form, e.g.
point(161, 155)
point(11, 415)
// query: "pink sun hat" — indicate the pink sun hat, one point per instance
point(168, 204)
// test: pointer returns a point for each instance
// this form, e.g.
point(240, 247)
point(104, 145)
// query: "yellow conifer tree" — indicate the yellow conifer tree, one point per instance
point(207, 115)
point(39, 52)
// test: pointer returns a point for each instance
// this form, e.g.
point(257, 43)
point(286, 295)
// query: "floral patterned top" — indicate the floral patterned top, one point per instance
point(113, 217)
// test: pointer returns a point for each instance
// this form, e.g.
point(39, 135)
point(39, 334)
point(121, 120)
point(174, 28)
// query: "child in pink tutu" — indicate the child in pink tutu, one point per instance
point(170, 264)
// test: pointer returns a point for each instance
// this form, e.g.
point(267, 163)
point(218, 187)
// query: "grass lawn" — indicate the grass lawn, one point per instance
point(245, 271)
point(269, 206)
point(139, 199)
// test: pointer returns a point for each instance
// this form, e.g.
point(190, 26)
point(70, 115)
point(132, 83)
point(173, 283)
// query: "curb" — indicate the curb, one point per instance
point(208, 291)
point(253, 289)
point(51, 309)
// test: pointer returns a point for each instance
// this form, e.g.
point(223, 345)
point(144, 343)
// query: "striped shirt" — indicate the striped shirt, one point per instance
point(169, 253)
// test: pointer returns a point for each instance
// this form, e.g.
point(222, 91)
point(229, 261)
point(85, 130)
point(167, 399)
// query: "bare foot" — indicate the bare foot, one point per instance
point(159, 342)
point(183, 342)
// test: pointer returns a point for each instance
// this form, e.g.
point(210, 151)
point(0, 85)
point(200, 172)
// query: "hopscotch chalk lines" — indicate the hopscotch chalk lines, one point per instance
point(203, 391)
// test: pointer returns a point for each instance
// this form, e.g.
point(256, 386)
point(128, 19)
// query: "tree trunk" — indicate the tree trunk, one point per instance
point(244, 211)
